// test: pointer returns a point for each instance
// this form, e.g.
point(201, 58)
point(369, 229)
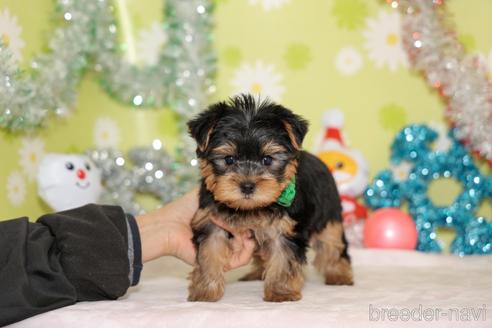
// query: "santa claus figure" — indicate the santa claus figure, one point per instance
point(351, 173)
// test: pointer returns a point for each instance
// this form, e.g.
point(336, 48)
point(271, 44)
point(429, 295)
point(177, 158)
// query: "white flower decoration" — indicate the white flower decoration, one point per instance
point(31, 152)
point(10, 34)
point(488, 63)
point(401, 171)
point(150, 43)
point(259, 79)
point(269, 4)
point(443, 142)
point(383, 40)
point(16, 188)
point(106, 133)
point(348, 61)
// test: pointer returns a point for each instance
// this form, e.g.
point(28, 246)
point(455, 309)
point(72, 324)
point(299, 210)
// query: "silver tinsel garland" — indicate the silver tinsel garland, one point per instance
point(26, 100)
point(87, 39)
point(145, 170)
point(185, 69)
point(434, 50)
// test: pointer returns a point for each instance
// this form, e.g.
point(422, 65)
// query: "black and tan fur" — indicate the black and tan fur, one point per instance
point(248, 153)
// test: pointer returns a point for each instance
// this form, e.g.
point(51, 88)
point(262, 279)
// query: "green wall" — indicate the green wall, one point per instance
point(300, 39)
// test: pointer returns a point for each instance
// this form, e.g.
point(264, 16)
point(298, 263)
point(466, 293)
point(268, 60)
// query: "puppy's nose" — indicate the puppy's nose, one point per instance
point(247, 187)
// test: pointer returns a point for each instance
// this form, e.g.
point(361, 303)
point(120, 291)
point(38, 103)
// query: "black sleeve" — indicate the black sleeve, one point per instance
point(84, 254)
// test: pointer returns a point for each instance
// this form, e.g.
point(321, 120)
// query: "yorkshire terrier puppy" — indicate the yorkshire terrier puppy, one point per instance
point(256, 177)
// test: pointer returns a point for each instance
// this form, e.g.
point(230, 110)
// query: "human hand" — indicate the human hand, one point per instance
point(243, 246)
point(179, 234)
point(167, 231)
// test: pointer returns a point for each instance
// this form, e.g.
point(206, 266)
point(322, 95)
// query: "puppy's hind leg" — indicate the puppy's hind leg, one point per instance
point(332, 259)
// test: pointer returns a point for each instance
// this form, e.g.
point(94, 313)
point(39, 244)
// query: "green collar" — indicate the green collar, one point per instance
point(288, 194)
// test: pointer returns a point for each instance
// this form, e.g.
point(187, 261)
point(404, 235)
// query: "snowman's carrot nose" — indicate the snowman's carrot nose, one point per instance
point(81, 174)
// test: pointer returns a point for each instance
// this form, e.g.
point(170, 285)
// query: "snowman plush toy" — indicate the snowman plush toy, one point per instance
point(68, 181)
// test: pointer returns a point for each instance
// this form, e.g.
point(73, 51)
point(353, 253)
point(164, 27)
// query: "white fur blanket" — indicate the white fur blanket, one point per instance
point(414, 289)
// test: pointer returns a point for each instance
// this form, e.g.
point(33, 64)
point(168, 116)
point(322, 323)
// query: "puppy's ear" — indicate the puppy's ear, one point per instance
point(295, 126)
point(201, 127)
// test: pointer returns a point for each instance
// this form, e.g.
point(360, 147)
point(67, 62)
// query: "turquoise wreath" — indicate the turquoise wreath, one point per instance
point(413, 145)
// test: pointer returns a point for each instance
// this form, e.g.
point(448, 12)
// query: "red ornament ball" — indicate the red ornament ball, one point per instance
point(390, 228)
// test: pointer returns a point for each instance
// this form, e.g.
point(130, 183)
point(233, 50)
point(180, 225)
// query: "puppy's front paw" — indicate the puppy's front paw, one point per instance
point(202, 298)
point(280, 297)
point(204, 289)
point(205, 295)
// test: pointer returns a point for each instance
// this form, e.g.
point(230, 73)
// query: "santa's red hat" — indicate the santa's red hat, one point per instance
point(333, 124)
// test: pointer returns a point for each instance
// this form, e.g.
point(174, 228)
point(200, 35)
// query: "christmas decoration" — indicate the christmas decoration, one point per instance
point(412, 148)
point(68, 181)
point(434, 50)
point(181, 80)
point(183, 76)
point(146, 170)
point(350, 170)
point(390, 228)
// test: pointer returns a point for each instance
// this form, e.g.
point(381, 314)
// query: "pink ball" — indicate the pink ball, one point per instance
point(390, 228)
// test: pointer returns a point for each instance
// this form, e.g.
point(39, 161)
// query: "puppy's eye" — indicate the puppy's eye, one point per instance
point(267, 160)
point(87, 166)
point(340, 165)
point(229, 160)
point(69, 166)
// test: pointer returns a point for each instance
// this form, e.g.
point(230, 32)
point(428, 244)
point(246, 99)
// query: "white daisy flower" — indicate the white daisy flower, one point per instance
point(31, 152)
point(443, 142)
point(348, 61)
point(401, 171)
point(488, 63)
point(383, 40)
point(269, 4)
point(16, 188)
point(259, 79)
point(10, 34)
point(106, 133)
point(150, 43)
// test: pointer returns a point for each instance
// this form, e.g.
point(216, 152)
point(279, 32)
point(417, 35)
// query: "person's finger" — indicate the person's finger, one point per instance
point(246, 252)
point(238, 240)
point(222, 225)
point(236, 245)
point(248, 234)
point(243, 256)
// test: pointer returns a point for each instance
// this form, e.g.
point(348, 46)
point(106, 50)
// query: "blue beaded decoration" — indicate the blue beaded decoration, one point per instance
point(413, 145)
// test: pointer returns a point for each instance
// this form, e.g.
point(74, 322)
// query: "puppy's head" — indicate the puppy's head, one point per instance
point(247, 150)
